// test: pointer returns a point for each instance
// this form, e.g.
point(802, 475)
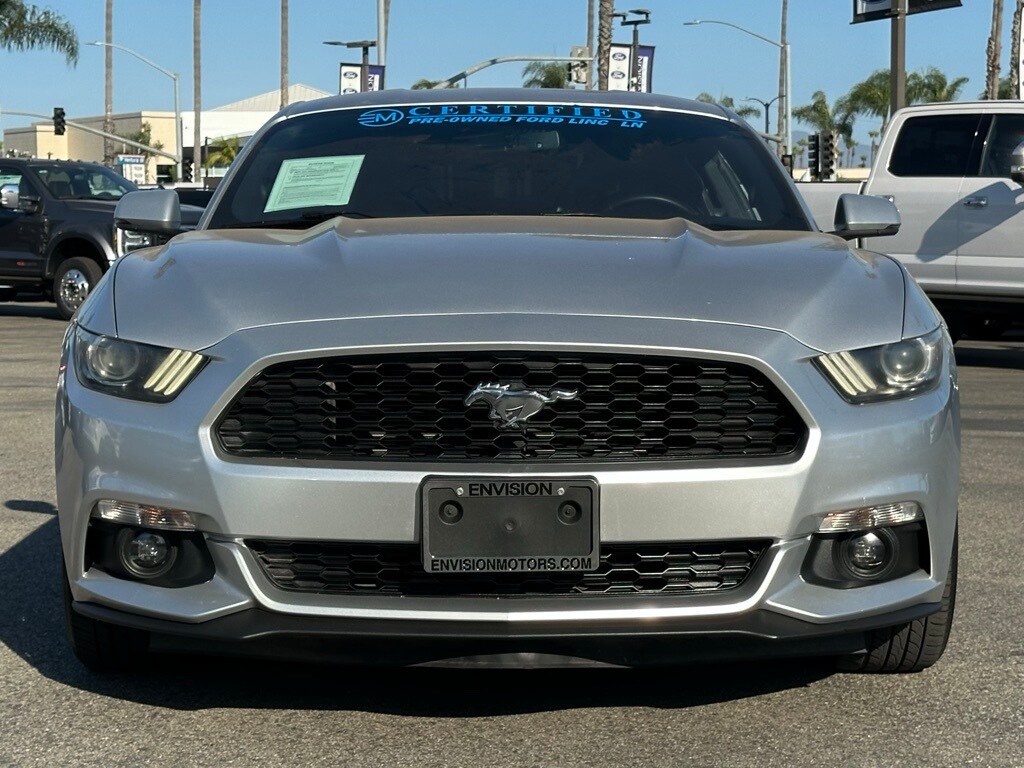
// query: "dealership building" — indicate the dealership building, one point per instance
point(240, 118)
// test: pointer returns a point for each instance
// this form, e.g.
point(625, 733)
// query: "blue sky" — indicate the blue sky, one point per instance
point(435, 38)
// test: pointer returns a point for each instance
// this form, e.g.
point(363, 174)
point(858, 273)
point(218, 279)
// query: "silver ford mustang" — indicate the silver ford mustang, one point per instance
point(508, 377)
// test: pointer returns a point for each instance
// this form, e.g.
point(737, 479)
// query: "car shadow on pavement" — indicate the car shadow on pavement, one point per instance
point(32, 625)
point(992, 354)
point(46, 311)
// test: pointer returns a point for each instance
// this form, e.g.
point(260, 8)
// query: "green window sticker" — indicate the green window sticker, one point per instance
point(309, 182)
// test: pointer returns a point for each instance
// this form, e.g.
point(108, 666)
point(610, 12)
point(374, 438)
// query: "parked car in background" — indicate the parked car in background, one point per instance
point(56, 228)
point(955, 172)
point(57, 236)
point(508, 376)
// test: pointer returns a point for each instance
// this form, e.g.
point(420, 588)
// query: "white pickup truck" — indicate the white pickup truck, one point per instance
point(955, 173)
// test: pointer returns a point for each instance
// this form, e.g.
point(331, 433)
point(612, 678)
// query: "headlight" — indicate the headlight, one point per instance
point(135, 371)
point(890, 371)
point(126, 241)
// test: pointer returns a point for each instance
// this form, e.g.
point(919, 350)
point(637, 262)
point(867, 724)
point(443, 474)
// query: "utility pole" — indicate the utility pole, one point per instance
point(589, 85)
point(785, 104)
point(197, 85)
point(108, 85)
point(382, 31)
point(284, 53)
point(898, 66)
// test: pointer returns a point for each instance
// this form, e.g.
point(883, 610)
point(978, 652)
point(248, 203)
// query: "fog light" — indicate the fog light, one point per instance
point(870, 555)
point(866, 518)
point(145, 554)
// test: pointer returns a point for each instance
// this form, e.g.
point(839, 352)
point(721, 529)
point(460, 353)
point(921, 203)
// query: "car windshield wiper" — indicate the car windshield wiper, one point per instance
point(305, 221)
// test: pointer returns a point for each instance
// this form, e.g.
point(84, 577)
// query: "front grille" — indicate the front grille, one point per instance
point(396, 569)
point(402, 407)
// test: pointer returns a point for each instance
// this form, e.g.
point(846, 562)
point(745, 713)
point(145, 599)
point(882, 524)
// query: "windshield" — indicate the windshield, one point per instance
point(83, 182)
point(509, 160)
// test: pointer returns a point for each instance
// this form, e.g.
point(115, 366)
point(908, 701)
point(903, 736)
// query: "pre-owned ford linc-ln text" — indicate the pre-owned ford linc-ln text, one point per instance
point(509, 377)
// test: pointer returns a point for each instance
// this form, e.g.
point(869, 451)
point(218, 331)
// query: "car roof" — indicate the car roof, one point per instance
point(40, 161)
point(395, 97)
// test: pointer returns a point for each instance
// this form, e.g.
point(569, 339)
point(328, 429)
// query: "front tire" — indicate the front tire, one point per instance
point(913, 646)
point(103, 647)
point(73, 282)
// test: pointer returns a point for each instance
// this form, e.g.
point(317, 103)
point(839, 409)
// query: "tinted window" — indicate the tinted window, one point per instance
point(510, 160)
point(1006, 133)
point(934, 146)
point(85, 182)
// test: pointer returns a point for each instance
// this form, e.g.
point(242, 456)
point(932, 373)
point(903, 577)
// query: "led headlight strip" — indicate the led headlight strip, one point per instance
point(176, 369)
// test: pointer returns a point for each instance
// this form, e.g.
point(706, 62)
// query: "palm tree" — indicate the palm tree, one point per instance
point(824, 118)
point(931, 85)
point(197, 84)
point(747, 111)
point(545, 74)
point(994, 51)
point(284, 53)
point(425, 84)
point(836, 119)
point(224, 152)
point(24, 26)
point(108, 83)
point(870, 96)
point(1018, 13)
point(604, 41)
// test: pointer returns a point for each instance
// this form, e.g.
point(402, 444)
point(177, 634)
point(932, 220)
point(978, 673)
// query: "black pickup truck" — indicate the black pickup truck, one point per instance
point(57, 228)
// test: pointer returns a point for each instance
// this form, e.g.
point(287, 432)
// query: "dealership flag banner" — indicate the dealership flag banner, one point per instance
point(618, 67)
point(871, 10)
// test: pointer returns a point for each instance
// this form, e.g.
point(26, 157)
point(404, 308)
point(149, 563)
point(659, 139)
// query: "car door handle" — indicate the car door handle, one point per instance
point(976, 202)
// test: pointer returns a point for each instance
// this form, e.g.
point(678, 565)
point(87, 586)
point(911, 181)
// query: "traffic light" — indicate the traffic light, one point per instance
point(186, 169)
point(579, 69)
point(59, 124)
point(814, 156)
point(827, 166)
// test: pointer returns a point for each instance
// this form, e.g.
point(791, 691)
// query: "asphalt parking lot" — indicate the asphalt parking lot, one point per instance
point(968, 710)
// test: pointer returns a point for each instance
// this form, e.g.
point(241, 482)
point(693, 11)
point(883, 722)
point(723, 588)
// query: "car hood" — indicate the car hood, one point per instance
point(95, 207)
point(203, 286)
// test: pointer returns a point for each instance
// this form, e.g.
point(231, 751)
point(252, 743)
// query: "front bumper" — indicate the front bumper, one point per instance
point(854, 456)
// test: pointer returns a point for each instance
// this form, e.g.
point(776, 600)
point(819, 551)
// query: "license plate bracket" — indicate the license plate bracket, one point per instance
point(498, 525)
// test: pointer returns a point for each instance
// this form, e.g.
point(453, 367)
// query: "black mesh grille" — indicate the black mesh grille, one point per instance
point(396, 569)
point(627, 408)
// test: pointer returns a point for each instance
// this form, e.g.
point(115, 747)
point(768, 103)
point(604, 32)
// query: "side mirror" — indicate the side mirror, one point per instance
point(9, 196)
point(865, 216)
point(1017, 164)
point(152, 211)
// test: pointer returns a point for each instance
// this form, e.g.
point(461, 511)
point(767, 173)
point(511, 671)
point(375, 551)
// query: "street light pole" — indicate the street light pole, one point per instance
point(784, 92)
point(766, 105)
point(364, 70)
point(634, 51)
point(179, 152)
point(898, 86)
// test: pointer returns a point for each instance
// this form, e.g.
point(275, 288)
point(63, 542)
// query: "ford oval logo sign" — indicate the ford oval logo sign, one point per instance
point(618, 75)
point(618, 56)
point(378, 117)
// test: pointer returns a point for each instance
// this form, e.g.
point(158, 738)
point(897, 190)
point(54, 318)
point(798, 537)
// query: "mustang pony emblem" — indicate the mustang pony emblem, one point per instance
point(511, 407)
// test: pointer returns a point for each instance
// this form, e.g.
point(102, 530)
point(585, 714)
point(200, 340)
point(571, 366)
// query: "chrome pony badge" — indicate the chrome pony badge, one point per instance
point(512, 406)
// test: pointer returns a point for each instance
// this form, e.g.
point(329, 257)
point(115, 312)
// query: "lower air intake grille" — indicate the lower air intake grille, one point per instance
point(396, 569)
